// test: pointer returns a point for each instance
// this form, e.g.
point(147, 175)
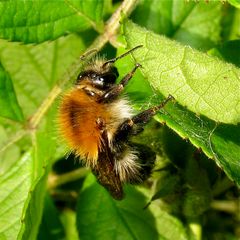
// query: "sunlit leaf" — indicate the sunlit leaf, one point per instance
point(235, 3)
point(197, 24)
point(203, 84)
point(14, 192)
point(44, 147)
point(8, 101)
point(165, 75)
point(38, 21)
point(99, 216)
point(35, 69)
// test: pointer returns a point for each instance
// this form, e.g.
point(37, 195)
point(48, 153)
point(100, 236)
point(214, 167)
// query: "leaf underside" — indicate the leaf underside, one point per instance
point(174, 69)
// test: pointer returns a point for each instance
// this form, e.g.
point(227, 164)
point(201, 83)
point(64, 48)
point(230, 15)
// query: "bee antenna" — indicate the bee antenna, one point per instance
point(121, 56)
point(90, 52)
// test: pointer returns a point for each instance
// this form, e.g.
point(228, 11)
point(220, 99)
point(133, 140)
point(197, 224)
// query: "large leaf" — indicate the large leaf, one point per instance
point(235, 3)
point(203, 84)
point(202, 132)
point(126, 219)
point(51, 227)
point(8, 101)
point(23, 188)
point(197, 24)
point(44, 147)
point(229, 51)
point(38, 21)
point(35, 69)
point(230, 24)
point(14, 191)
point(168, 226)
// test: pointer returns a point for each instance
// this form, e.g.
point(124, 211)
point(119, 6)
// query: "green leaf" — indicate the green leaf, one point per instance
point(203, 84)
point(38, 21)
point(165, 187)
point(198, 196)
point(35, 69)
point(230, 24)
point(15, 186)
point(229, 51)
point(235, 3)
point(8, 101)
point(138, 82)
point(202, 132)
point(163, 17)
point(12, 153)
point(44, 147)
point(226, 146)
point(33, 206)
point(197, 24)
point(51, 227)
point(168, 226)
point(68, 218)
point(23, 186)
point(125, 218)
point(202, 26)
point(199, 130)
point(101, 217)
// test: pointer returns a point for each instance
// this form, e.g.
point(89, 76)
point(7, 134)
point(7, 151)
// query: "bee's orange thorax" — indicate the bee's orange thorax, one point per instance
point(78, 116)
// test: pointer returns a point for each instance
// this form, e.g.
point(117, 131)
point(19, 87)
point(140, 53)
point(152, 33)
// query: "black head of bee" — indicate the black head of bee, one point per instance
point(102, 80)
point(102, 75)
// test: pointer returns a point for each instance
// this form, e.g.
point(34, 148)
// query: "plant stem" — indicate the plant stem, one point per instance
point(36, 118)
point(228, 206)
point(66, 196)
point(113, 23)
point(222, 186)
point(57, 180)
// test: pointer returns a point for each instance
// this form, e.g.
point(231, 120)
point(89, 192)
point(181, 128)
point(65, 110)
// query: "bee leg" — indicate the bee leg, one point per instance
point(129, 126)
point(114, 92)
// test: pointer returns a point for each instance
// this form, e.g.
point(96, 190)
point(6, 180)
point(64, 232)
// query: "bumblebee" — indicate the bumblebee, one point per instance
point(97, 121)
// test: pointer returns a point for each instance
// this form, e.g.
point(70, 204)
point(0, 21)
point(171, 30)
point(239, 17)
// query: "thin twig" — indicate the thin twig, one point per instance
point(36, 118)
point(222, 186)
point(229, 206)
point(57, 180)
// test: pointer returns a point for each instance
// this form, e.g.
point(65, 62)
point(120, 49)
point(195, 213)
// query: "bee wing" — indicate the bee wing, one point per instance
point(104, 169)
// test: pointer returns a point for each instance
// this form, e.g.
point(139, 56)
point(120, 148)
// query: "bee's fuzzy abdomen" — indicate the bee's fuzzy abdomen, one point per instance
point(78, 116)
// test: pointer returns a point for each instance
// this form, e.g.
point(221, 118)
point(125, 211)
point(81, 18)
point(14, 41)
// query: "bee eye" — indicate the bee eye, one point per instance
point(100, 80)
point(97, 80)
point(109, 78)
point(103, 81)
